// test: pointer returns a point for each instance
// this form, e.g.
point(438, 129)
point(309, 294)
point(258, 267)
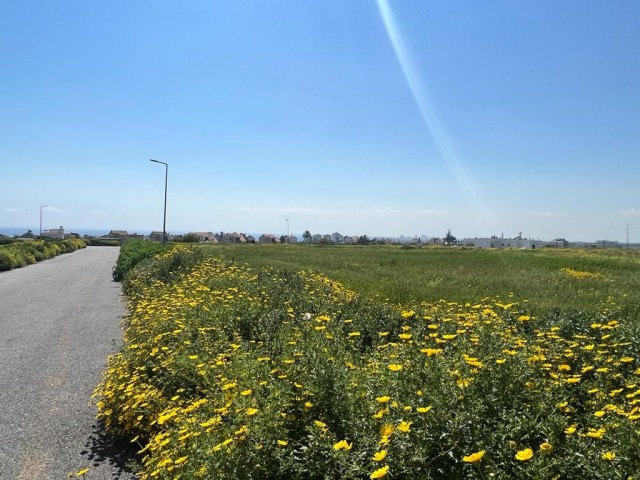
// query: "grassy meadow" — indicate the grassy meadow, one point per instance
point(302, 362)
point(543, 278)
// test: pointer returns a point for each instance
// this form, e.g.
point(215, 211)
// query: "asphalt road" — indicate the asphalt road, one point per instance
point(59, 321)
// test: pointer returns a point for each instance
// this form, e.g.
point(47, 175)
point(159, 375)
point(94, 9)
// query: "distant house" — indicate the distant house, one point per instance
point(124, 235)
point(291, 239)
point(57, 233)
point(206, 237)
point(267, 238)
point(234, 237)
point(156, 236)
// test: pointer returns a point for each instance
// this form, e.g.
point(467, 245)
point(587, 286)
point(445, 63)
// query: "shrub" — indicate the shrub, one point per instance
point(190, 238)
point(7, 262)
point(132, 253)
point(22, 253)
point(161, 268)
point(99, 242)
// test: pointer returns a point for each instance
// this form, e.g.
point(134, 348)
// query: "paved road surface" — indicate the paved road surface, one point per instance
point(59, 320)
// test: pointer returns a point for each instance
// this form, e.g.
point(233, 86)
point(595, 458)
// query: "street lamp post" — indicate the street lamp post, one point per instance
point(164, 221)
point(287, 220)
point(628, 225)
point(45, 206)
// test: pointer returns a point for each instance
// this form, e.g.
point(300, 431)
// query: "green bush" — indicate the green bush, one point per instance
point(99, 242)
point(190, 238)
point(7, 262)
point(22, 253)
point(132, 253)
point(164, 268)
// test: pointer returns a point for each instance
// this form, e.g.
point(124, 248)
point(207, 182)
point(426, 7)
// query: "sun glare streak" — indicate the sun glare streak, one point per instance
point(428, 113)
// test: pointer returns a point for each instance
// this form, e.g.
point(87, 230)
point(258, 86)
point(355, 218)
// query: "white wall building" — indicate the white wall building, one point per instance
point(501, 242)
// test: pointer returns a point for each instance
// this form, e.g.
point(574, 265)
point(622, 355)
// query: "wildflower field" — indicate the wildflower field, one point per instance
point(240, 371)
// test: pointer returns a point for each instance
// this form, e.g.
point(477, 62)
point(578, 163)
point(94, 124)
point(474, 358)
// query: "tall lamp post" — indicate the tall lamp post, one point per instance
point(287, 220)
point(164, 221)
point(628, 225)
point(45, 206)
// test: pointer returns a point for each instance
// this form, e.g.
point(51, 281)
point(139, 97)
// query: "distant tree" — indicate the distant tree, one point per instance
point(449, 239)
point(307, 236)
point(363, 240)
point(190, 237)
point(283, 239)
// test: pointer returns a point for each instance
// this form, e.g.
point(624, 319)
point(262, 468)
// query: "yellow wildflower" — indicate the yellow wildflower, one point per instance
point(405, 426)
point(386, 430)
point(380, 473)
point(524, 455)
point(546, 447)
point(474, 457)
point(380, 456)
point(320, 424)
point(342, 445)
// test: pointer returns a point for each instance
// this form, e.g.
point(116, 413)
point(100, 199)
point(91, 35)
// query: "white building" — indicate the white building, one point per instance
point(57, 233)
point(501, 242)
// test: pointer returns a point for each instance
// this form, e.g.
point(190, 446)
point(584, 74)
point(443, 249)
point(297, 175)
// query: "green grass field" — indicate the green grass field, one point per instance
point(462, 275)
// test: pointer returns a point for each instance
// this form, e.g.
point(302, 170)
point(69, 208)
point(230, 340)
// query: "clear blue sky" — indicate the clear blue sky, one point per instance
point(368, 117)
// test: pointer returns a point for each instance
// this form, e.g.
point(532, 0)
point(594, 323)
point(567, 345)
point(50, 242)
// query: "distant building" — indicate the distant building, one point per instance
point(558, 243)
point(57, 233)
point(268, 238)
point(206, 237)
point(501, 242)
point(234, 237)
point(157, 236)
point(122, 234)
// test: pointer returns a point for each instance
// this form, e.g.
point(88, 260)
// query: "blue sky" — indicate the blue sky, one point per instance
point(368, 117)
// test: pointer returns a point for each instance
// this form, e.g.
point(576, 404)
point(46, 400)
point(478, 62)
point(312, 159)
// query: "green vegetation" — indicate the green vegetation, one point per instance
point(101, 242)
point(247, 371)
point(400, 275)
point(131, 254)
point(21, 253)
